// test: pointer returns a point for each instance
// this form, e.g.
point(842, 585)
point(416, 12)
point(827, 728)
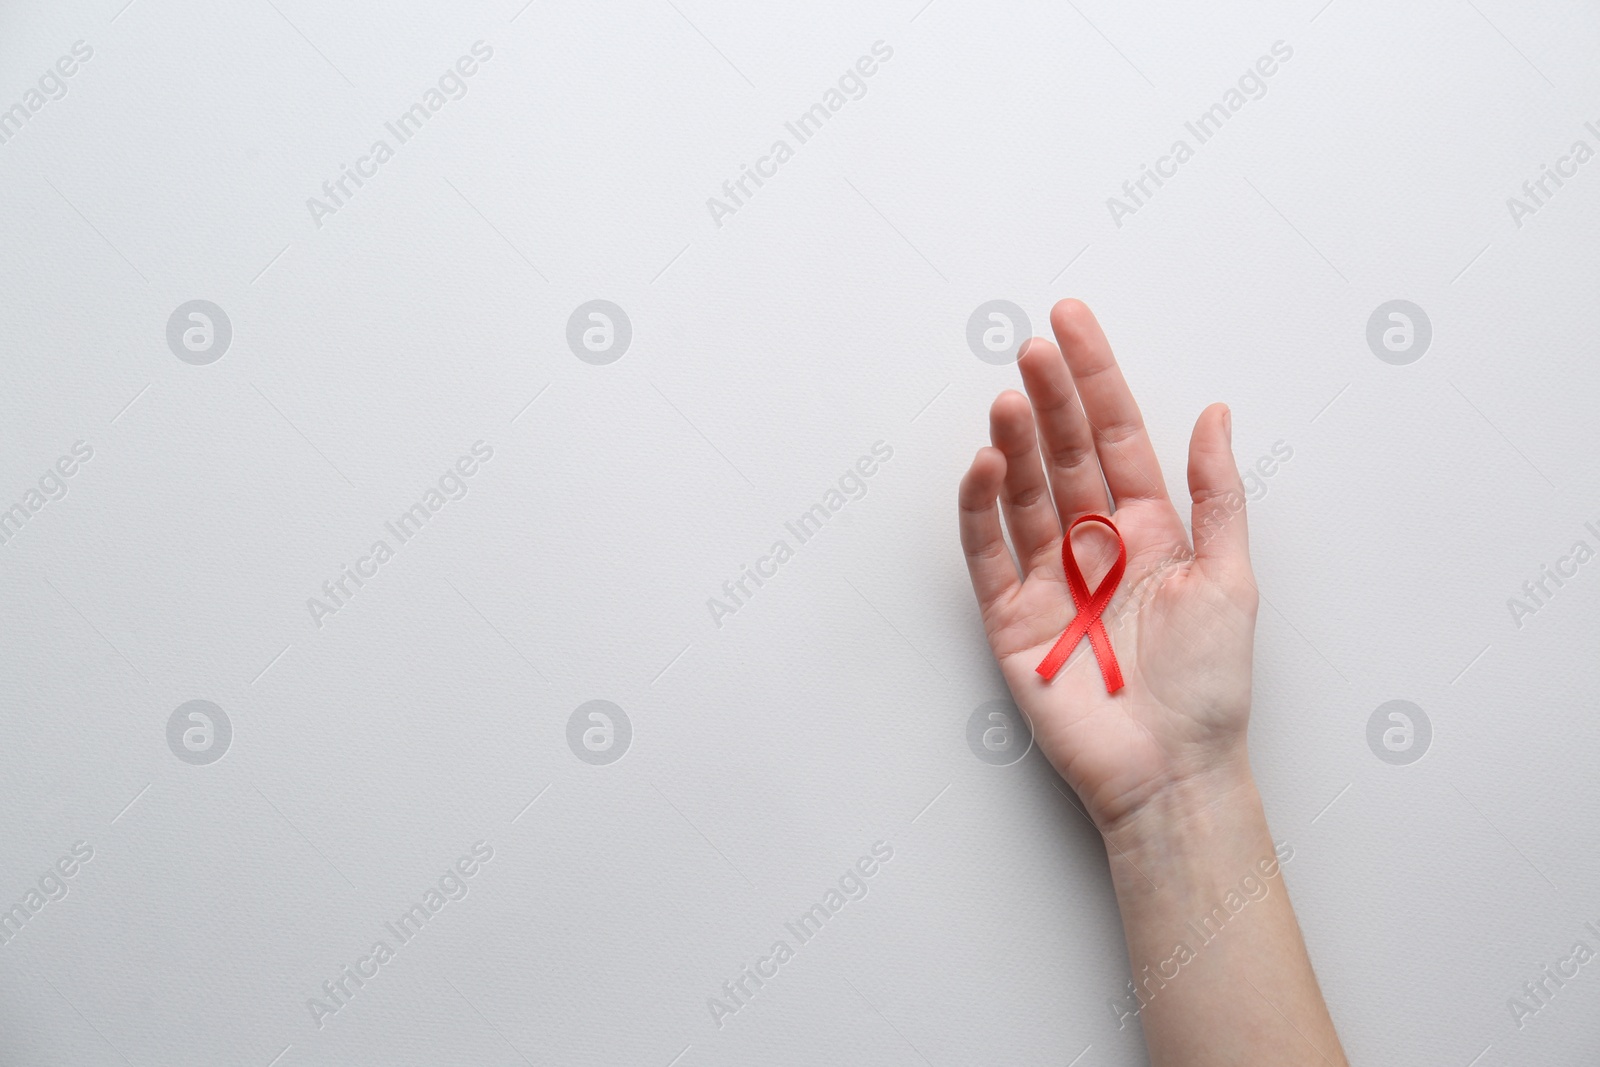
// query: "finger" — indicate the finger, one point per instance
point(989, 563)
point(1024, 494)
point(1221, 534)
point(1067, 443)
point(1126, 456)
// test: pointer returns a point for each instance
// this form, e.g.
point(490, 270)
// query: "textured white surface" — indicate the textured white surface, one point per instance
point(825, 314)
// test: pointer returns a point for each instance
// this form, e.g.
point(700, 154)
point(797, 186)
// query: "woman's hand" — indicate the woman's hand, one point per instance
point(1161, 763)
point(1182, 621)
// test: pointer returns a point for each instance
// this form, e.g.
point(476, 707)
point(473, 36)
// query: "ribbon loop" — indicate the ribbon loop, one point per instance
point(1087, 622)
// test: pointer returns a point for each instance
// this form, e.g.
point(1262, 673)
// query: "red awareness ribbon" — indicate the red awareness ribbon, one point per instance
point(1087, 621)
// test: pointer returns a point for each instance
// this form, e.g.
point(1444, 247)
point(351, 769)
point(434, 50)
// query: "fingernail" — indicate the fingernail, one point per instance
point(1227, 423)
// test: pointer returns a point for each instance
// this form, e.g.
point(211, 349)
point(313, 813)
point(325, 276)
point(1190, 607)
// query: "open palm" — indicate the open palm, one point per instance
point(1183, 618)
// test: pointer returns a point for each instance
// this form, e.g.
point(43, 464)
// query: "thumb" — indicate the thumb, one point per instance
point(1221, 534)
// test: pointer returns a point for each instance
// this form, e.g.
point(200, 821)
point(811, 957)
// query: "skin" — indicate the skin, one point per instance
point(1162, 765)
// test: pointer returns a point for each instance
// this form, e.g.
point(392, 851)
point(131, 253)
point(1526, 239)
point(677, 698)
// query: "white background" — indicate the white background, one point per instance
point(768, 353)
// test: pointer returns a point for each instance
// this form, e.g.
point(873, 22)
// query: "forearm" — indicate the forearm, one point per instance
point(1220, 970)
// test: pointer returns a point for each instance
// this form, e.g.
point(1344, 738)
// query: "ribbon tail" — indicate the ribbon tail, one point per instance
point(1110, 670)
point(1051, 664)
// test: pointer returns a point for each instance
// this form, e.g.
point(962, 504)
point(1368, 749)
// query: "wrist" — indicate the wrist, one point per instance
point(1213, 815)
